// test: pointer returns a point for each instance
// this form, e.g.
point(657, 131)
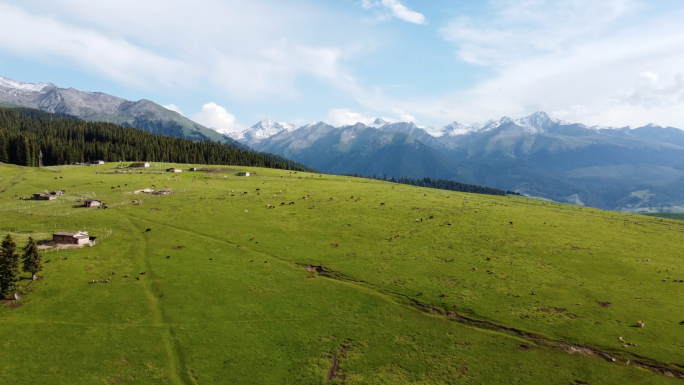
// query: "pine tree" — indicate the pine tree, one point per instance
point(33, 262)
point(9, 267)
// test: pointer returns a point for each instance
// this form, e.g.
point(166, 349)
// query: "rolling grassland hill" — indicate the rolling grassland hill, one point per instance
point(345, 280)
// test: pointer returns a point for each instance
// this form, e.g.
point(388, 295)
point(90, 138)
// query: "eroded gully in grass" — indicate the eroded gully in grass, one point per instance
point(623, 358)
point(178, 372)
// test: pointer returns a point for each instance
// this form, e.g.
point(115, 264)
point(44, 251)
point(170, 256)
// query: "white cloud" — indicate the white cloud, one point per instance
point(394, 8)
point(146, 47)
point(403, 116)
point(41, 37)
point(346, 117)
point(577, 59)
point(173, 107)
point(216, 117)
point(649, 94)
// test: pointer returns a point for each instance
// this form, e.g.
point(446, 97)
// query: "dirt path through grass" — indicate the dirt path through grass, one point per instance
point(178, 374)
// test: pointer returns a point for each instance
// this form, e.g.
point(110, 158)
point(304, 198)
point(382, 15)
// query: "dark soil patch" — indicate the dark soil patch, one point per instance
point(523, 347)
point(177, 247)
point(605, 304)
point(335, 367)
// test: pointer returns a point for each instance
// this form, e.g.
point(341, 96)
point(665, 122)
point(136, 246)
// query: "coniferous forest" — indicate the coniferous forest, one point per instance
point(26, 133)
point(441, 184)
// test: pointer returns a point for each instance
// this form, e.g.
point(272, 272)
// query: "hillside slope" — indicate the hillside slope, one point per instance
point(361, 282)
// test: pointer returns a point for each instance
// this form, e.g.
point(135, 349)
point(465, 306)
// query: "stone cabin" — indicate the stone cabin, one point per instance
point(139, 165)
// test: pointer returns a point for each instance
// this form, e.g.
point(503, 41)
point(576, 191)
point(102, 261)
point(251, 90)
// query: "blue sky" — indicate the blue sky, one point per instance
point(228, 64)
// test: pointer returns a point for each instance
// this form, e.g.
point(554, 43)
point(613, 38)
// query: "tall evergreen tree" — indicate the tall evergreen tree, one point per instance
point(33, 261)
point(9, 267)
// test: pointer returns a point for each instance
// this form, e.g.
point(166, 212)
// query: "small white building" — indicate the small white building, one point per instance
point(98, 162)
point(139, 165)
point(243, 174)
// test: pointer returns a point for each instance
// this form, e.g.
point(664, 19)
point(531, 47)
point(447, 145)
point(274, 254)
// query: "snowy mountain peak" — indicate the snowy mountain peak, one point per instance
point(265, 129)
point(379, 122)
point(20, 86)
point(457, 128)
point(537, 122)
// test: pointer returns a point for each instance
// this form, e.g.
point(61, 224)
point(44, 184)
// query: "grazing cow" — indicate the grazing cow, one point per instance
point(291, 203)
point(143, 273)
point(138, 278)
point(168, 256)
point(640, 324)
point(128, 275)
point(282, 204)
point(382, 204)
point(112, 188)
point(148, 230)
point(331, 199)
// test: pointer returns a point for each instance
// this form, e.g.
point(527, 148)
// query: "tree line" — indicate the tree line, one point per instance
point(441, 184)
point(9, 265)
point(25, 134)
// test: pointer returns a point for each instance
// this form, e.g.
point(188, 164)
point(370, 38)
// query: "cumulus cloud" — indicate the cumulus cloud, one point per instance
point(346, 117)
point(394, 8)
point(403, 116)
point(173, 107)
point(649, 94)
point(214, 116)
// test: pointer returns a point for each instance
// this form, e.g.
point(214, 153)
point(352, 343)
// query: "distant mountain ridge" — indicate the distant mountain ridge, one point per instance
point(101, 107)
point(639, 169)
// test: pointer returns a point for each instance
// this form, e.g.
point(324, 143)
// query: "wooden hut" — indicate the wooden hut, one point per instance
point(139, 165)
point(44, 197)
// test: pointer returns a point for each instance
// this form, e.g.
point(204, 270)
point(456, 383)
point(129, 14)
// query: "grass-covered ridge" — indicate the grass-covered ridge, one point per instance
point(398, 284)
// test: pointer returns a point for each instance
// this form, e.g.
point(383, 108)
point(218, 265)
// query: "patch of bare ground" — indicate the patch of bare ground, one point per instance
point(177, 247)
point(605, 304)
point(334, 374)
point(624, 358)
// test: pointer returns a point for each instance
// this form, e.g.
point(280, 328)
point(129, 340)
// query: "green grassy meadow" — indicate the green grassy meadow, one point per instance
point(387, 283)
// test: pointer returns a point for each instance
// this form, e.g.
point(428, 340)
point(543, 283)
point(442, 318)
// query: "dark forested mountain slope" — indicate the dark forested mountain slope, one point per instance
point(101, 107)
point(24, 134)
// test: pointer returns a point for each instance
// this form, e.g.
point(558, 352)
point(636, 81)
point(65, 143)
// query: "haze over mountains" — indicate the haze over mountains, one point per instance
point(629, 169)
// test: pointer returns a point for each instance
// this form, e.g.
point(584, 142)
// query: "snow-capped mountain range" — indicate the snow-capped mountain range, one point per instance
point(536, 123)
